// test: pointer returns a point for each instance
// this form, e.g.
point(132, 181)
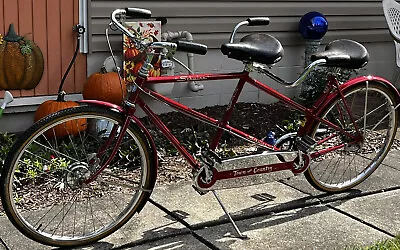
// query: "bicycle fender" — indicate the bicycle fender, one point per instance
point(102, 103)
point(355, 81)
point(345, 86)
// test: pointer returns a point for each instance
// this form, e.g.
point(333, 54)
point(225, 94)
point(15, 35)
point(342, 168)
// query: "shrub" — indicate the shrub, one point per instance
point(6, 141)
point(316, 81)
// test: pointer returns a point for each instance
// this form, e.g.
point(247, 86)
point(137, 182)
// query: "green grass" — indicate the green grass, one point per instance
point(390, 244)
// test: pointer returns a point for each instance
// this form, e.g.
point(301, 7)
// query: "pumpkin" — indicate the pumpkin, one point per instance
point(72, 127)
point(21, 62)
point(104, 86)
point(154, 72)
point(130, 53)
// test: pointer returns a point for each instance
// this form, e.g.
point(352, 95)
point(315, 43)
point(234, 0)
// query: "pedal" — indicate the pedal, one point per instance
point(209, 157)
point(215, 156)
point(305, 143)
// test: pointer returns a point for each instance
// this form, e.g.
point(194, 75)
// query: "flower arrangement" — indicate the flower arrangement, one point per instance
point(134, 58)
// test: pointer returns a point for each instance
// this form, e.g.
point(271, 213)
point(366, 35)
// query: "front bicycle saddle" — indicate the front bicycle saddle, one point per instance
point(343, 53)
point(261, 48)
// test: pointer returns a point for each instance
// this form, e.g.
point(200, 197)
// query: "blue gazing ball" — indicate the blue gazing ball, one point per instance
point(313, 25)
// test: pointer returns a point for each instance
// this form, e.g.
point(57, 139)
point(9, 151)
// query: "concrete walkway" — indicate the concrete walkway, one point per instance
point(278, 215)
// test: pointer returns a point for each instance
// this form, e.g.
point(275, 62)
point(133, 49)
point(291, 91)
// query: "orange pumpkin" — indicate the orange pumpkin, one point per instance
point(154, 72)
point(104, 86)
point(130, 53)
point(21, 62)
point(69, 128)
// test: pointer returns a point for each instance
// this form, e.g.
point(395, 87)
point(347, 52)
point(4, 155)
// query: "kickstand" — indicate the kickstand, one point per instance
point(241, 236)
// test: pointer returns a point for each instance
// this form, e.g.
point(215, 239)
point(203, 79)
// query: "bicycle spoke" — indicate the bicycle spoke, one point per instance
point(82, 140)
point(91, 212)
point(71, 142)
point(84, 224)
point(365, 106)
point(124, 179)
point(373, 111)
point(48, 142)
point(37, 156)
point(56, 152)
point(73, 230)
point(63, 217)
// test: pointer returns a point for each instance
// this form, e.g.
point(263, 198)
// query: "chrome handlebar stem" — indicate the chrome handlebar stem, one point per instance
point(231, 39)
point(119, 25)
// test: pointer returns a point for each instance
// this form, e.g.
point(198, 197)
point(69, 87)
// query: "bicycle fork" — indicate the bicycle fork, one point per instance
point(107, 144)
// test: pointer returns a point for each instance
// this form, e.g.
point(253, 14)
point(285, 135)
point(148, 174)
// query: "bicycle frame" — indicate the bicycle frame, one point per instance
point(333, 89)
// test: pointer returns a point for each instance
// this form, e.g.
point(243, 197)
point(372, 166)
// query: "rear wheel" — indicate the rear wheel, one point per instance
point(371, 105)
point(44, 184)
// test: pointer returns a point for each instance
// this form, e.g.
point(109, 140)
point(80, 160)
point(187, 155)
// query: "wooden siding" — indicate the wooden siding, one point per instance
point(49, 24)
point(211, 22)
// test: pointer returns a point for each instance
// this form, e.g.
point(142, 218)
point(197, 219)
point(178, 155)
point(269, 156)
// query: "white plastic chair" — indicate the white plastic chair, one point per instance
point(391, 9)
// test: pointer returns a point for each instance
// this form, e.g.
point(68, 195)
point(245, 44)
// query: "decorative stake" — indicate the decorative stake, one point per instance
point(312, 26)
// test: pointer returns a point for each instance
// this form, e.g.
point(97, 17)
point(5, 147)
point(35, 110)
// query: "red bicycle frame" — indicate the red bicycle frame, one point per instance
point(312, 114)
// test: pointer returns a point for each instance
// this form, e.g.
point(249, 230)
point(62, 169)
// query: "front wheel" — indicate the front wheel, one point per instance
point(340, 162)
point(44, 184)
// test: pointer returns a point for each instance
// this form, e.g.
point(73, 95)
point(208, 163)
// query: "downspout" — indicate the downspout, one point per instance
point(83, 20)
point(170, 36)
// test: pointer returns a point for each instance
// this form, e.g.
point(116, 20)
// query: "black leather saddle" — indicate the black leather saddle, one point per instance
point(343, 53)
point(261, 48)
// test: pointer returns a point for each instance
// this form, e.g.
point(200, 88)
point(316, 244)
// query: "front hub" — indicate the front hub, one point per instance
point(77, 174)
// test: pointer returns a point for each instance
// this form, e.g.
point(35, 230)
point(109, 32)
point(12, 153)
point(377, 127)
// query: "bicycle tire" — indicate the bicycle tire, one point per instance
point(351, 164)
point(42, 183)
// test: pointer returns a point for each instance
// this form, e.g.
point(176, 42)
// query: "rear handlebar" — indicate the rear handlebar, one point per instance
point(252, 21)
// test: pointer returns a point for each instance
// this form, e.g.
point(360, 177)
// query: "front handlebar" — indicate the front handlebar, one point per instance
point(137, 13)
point(189, 47)
point(118, 24)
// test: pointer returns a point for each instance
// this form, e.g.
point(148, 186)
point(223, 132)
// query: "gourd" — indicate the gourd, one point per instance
point(104, 86)
point(21, 62)
point(154, 72)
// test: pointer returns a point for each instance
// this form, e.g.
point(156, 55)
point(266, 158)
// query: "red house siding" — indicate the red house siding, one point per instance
point(49, 24)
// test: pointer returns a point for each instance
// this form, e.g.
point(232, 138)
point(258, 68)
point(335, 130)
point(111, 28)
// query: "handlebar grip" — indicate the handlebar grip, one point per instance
point(191, 47)
point(332, 60)
point(257, 21)
point(138, 13)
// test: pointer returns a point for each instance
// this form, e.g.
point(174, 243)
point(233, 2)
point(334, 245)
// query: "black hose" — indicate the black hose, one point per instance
point(71, 63)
